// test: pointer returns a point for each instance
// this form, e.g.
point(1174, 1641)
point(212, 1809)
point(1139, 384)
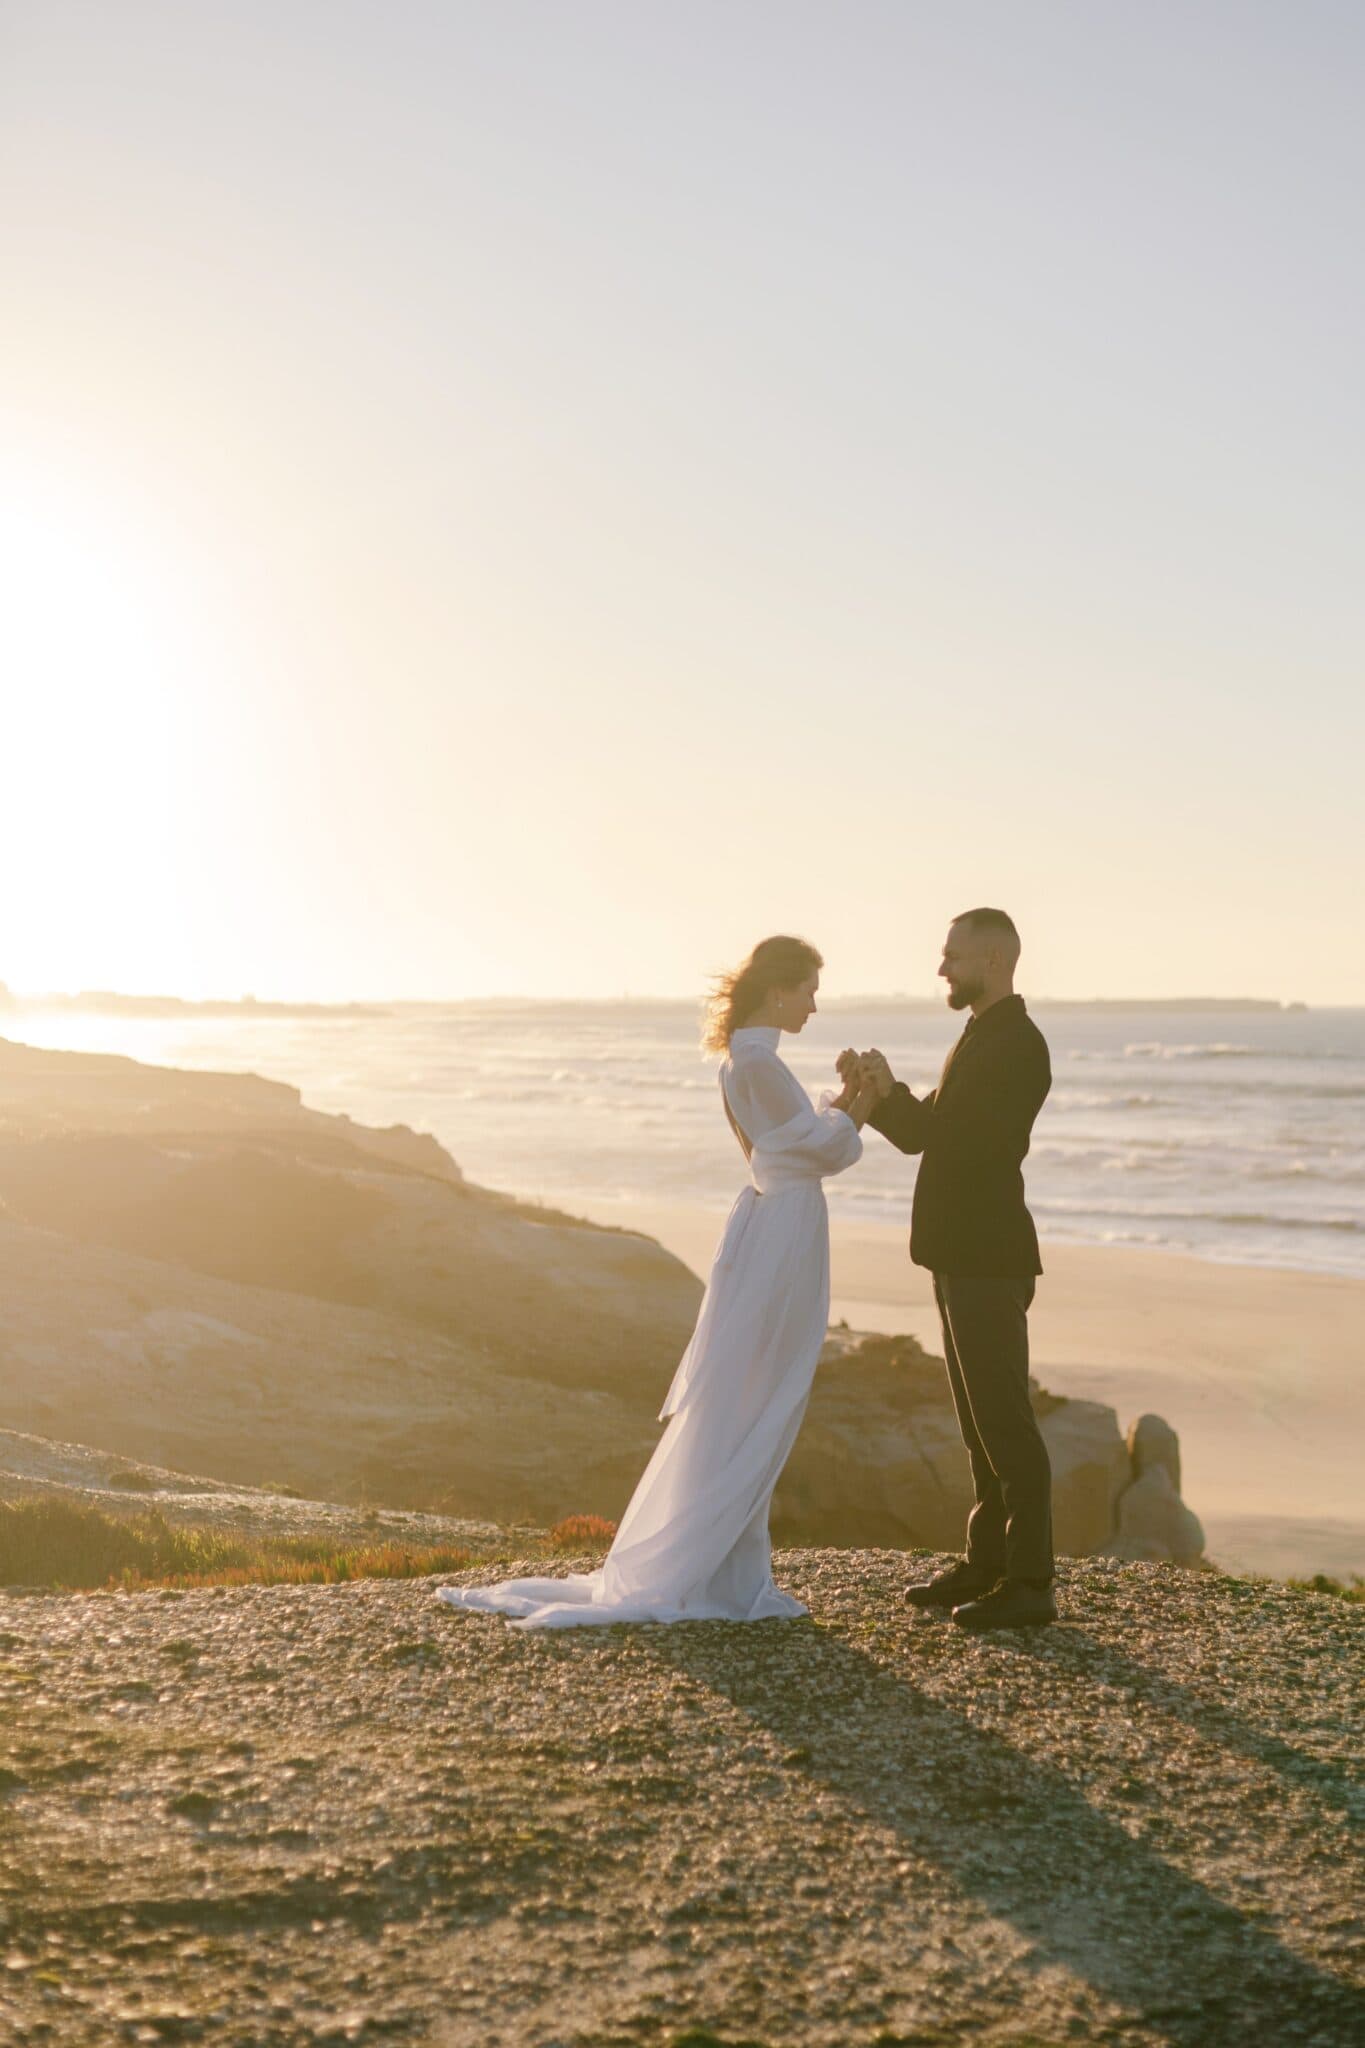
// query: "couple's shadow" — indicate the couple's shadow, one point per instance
point(1017, 1834)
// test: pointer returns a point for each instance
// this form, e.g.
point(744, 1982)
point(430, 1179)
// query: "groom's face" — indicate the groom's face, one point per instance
point(963, 966)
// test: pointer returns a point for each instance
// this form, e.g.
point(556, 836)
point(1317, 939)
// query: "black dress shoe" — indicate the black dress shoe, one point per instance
point(950, 1588)
point(1011, 1604)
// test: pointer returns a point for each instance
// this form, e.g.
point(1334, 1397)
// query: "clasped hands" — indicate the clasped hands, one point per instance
point(867, 1081)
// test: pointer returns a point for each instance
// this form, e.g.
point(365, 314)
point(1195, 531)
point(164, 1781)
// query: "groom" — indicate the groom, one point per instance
point(970, 1227)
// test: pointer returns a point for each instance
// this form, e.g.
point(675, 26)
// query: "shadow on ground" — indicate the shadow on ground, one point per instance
point(1019, 1837)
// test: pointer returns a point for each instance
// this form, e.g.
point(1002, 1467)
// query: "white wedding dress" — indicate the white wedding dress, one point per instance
point(693, 1544)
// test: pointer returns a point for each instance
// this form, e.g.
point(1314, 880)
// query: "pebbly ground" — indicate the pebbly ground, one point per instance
point(274, 1816)
point(46, 1468)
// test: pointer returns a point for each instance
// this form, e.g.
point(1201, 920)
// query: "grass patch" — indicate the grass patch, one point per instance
point(1321, 1583)
point(582, 1532)
point(69, 1548)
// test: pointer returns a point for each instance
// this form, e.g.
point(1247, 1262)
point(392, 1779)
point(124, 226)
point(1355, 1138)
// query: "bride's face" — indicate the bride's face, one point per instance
point(797, 1004)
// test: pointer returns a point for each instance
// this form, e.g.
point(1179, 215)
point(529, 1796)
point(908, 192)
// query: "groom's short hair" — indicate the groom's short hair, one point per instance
point(986, 920)
point(990, 923)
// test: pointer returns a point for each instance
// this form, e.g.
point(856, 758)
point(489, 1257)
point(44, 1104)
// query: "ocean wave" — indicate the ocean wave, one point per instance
point(1154, 1049)
point(663, 1082)
point(1080, 1158)
point(1083, 1098)
point(1230, 1082)
point(1214, 1049)
point(1133, 1237)
point(1182, 1157)
point(1140, 1162)
point(1233, 1085)
point(1265, 1256)
point(1240, 1219)
point(1300, 1170)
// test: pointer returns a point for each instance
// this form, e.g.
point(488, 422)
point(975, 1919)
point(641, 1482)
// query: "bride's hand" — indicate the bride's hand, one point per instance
point(846, 1066)
point(857, 1100)
point(868, 1098)
point(874, 1072)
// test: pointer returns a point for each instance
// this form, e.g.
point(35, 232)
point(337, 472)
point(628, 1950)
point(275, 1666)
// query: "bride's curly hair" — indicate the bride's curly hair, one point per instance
point(774, 963)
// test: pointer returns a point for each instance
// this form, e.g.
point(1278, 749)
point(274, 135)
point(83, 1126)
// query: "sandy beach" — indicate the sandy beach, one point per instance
point(1259, 1370)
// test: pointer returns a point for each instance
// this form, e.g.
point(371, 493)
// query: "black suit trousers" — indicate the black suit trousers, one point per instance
point(985, 1343)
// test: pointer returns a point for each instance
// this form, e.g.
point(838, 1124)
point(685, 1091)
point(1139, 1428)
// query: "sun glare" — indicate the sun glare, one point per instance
point(96, 655)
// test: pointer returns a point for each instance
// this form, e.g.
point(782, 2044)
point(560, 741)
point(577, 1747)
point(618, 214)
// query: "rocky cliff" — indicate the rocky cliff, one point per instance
point(200, 1271)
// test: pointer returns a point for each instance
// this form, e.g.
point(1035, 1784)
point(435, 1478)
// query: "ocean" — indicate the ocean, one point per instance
point(1234, 1134)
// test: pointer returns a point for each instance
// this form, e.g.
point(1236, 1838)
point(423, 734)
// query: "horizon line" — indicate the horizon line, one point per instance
point(113, 1000)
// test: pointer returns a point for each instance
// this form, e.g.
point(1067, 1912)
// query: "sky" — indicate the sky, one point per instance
point(529, 498)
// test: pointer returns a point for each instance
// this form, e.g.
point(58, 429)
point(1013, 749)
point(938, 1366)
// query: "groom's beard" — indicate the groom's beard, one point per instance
point(963, 994)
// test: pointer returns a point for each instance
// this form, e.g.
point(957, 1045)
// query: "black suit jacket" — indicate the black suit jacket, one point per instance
point(969, 1216)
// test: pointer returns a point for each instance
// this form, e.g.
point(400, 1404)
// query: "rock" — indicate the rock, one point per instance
point(1152, 1441)
point(1154, 1523)
point(200, 1273)
point(880, 1458)
point(1090, 1470)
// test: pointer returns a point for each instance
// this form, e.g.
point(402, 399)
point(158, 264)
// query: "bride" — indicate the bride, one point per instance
point(693, 1544)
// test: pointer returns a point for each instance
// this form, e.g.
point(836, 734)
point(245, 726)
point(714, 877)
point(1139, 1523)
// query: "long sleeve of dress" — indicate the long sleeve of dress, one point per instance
point(776, 1116)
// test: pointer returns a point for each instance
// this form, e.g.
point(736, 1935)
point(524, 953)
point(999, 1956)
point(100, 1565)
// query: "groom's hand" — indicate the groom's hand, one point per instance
point(874, 1072)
